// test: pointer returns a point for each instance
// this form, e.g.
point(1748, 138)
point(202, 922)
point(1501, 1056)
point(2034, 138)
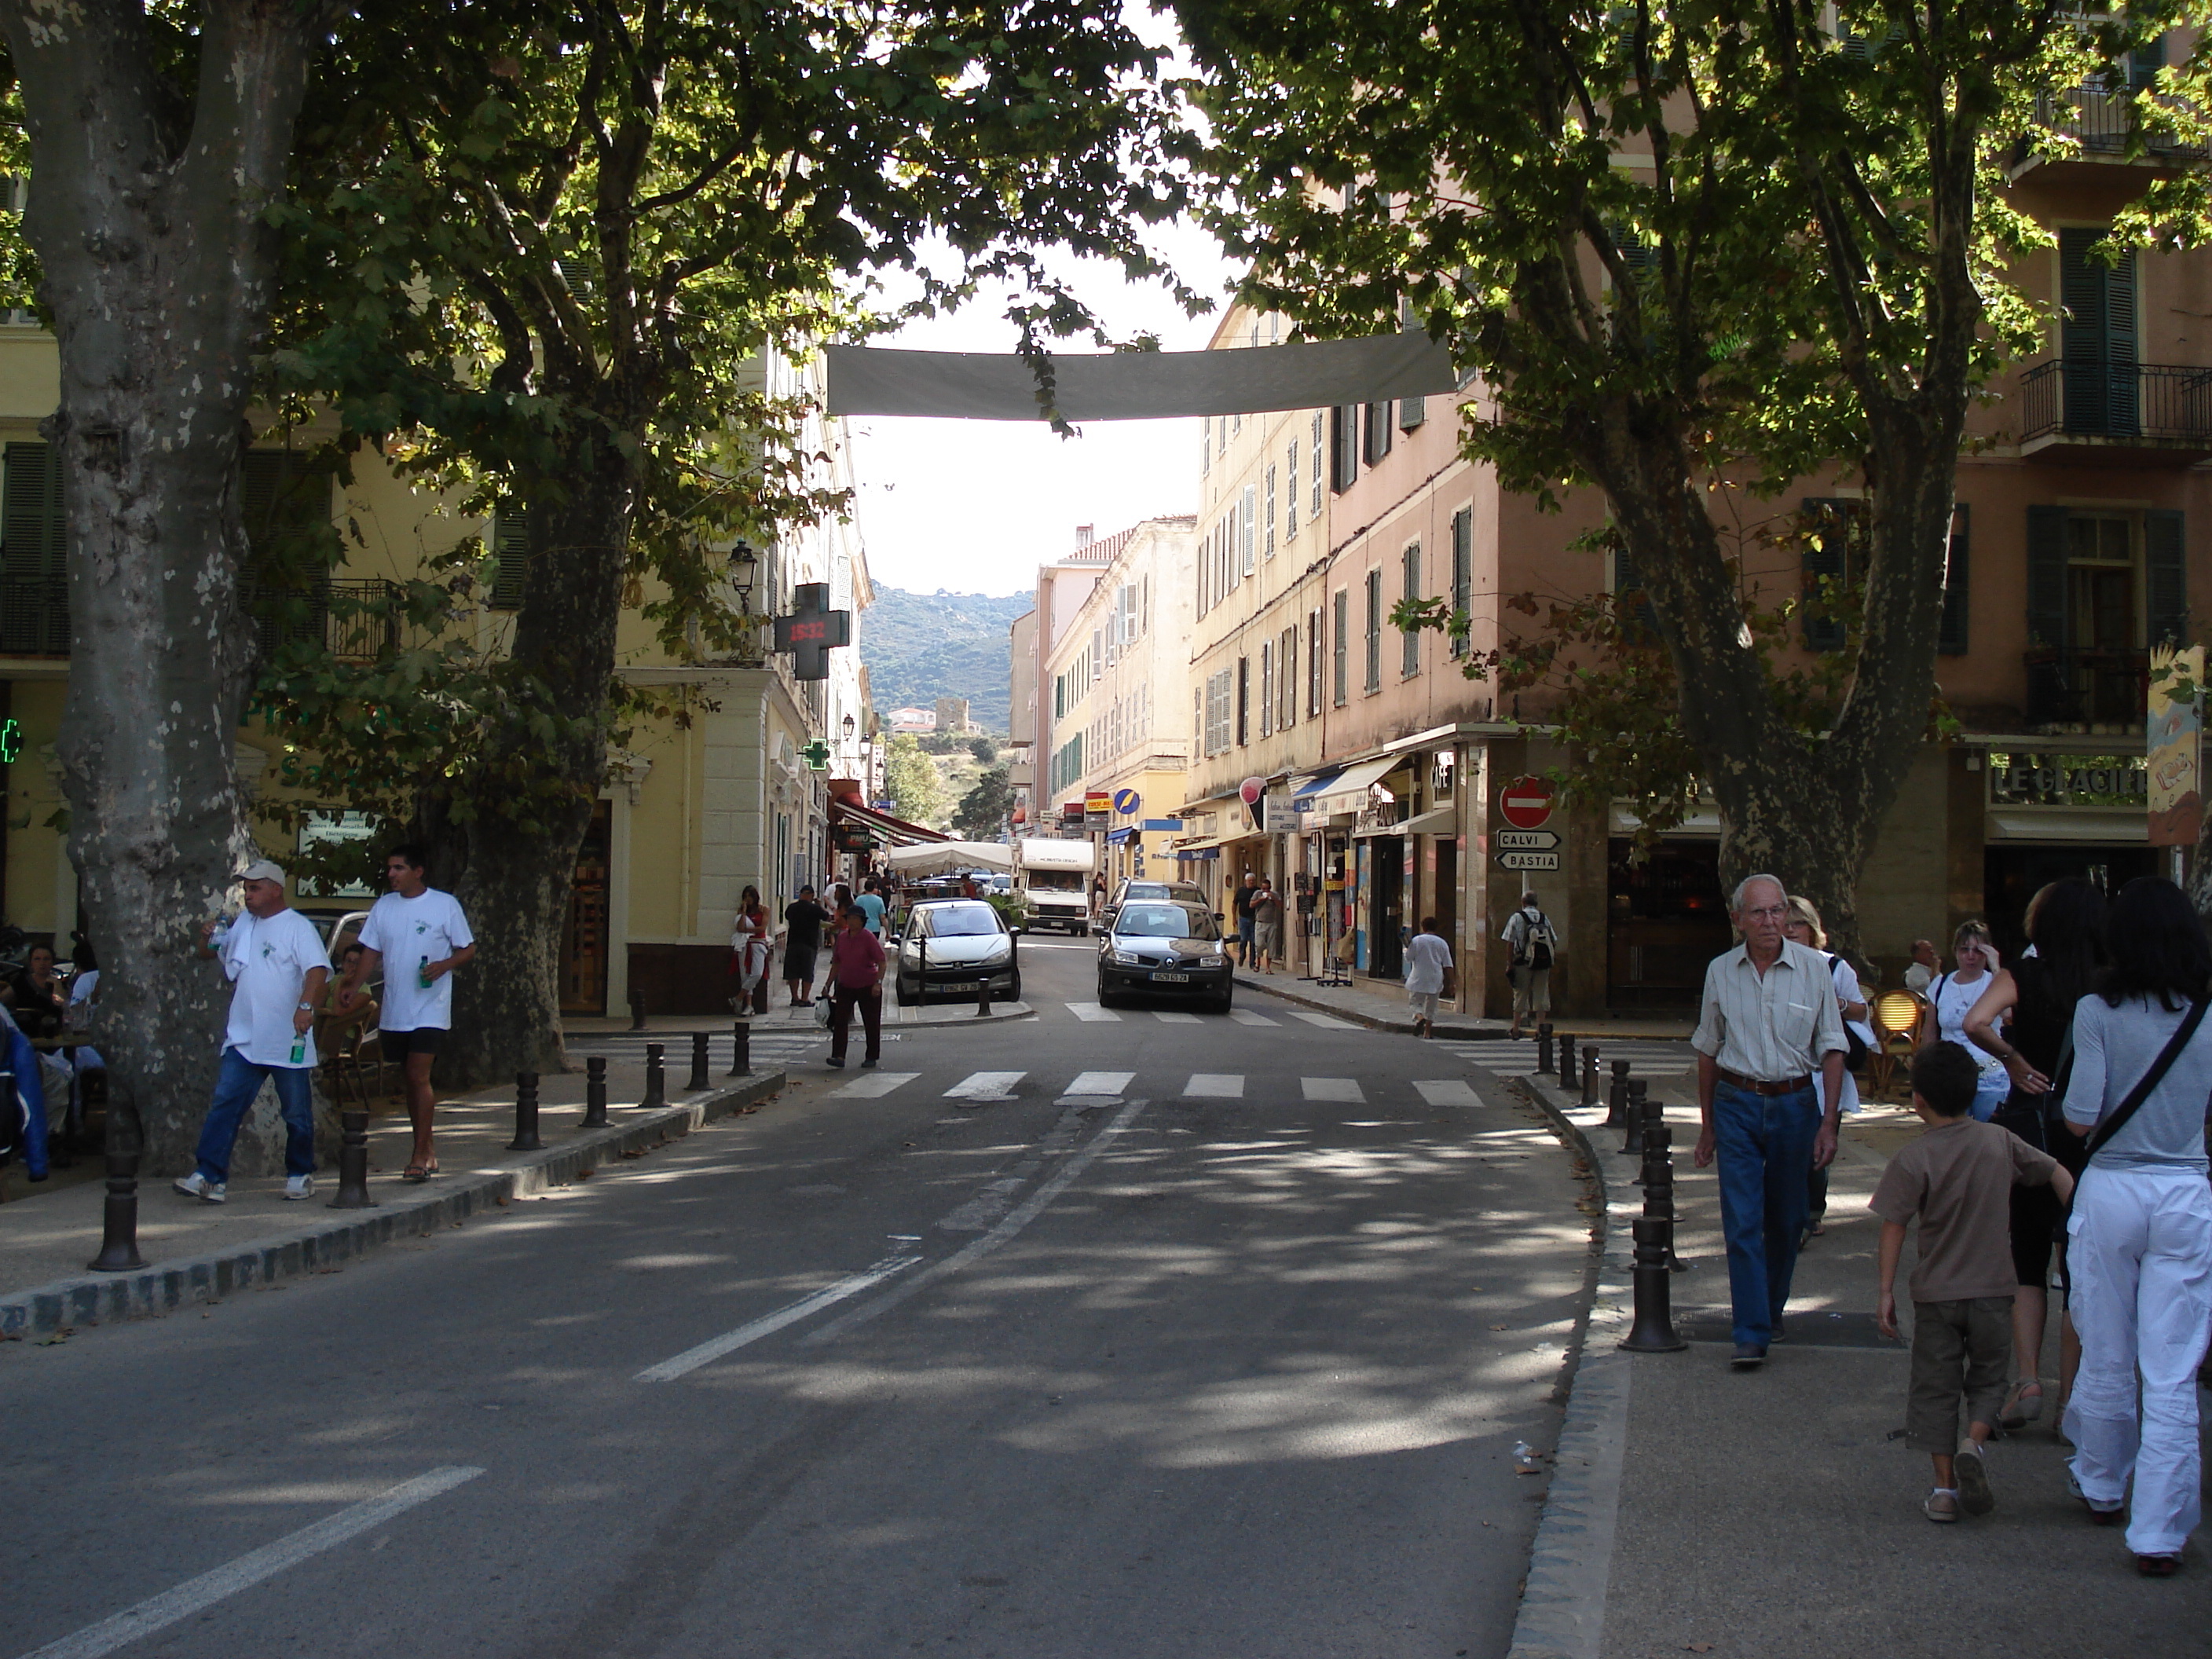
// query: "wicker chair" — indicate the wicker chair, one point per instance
point(1900, 1020)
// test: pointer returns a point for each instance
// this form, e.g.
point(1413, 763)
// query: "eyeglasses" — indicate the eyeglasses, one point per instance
point(1768, 912)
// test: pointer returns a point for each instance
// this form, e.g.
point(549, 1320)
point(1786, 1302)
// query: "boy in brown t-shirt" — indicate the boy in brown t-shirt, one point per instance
point(1958, 1178)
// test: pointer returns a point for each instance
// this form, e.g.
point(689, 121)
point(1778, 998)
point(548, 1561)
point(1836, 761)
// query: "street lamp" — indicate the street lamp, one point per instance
point(848, 728)
point(744, 570)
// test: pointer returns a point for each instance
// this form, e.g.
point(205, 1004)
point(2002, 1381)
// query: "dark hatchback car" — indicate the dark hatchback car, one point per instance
point(1167, 949)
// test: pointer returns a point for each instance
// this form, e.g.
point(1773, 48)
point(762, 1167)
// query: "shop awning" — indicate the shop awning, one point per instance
point(897, 831)
point(1438, 821)
point(1347, 790)
point(1314, 782)
point(940, 858)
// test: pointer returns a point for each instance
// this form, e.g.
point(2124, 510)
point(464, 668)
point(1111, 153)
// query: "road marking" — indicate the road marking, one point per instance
point(1331, 1088)
point(1245, 1017)
point(1099, 1082)
point(1031, 1209)
point(1329, 1021)
point(190, 1597)
point(1091, 1011)
point(985, 1086)
point(1451, 1091)
point(769, 1324)
point(876, 1087)
point(1167, 1017)
point(1214, 1085)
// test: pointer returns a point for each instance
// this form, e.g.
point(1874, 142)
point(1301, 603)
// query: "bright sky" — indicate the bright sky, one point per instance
point(974, 505)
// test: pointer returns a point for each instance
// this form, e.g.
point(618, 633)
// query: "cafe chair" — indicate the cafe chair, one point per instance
point(1900, 1020)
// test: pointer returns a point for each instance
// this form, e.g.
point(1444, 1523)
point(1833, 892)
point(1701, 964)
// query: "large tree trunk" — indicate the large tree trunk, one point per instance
point(505, 837)
point(157, 265)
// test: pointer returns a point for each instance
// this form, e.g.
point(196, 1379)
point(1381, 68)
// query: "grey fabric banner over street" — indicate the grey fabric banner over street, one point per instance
point(1139, 385)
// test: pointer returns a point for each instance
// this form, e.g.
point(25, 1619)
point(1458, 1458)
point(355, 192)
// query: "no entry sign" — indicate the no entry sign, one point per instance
point(1526, 803)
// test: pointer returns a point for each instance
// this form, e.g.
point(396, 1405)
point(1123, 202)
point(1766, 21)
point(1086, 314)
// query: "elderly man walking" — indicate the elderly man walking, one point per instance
point(1768, 1022)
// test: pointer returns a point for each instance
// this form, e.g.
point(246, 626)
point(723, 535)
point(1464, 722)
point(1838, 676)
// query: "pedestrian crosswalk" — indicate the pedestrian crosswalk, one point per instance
point(1645, 1057)
point(1002, 1085)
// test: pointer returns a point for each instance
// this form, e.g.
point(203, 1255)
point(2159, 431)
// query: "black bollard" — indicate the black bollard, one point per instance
point(595, 1093)
point(1653, 1331)
point(1616, 1100)
point(741, 1049)
point(353, 1163)
point(119, 1230)
point(698, 1079)
point(1589, 1074)
point(1658, 1176)
point(1546, 1067)
point(656, 1083)
point(982, 997)
point(1632, 1141)
point(526, 1114)
point(637, 1007)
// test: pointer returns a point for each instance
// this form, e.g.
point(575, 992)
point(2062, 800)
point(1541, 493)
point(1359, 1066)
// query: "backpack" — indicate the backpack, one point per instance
point(1538, 940)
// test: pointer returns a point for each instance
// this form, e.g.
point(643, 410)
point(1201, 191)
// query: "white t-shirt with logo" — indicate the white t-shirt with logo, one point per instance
point(408, 933)
point(268, 959)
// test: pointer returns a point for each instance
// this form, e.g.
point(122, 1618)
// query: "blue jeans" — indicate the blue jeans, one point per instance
point(1764, 1147)
point(234, 1089)
point(1990, 1093)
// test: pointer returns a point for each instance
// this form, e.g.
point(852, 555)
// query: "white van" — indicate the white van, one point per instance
point(1054, 876)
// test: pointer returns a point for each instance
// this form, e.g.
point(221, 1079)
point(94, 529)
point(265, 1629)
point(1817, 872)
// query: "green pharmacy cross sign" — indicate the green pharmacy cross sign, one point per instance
point(11, 741)
point(816, 755)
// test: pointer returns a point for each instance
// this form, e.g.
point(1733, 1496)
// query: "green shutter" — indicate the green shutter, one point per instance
point(2165, 579)
point(510, 546)
point(2097, 336)
point(1826, 560)
point(32, 531)
point(286, 505)
point(1951, 631)
point(2046, 577)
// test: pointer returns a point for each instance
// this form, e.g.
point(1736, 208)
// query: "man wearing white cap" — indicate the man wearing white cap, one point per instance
point(277, 967)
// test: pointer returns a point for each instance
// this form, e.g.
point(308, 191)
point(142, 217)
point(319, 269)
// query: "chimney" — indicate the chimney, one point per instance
point(1084, 537)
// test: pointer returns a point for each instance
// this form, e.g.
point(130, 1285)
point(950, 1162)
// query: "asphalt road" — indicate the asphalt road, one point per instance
point(1225, 1356)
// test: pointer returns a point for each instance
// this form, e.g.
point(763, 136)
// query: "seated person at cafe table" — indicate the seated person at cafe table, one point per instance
point(38, 995)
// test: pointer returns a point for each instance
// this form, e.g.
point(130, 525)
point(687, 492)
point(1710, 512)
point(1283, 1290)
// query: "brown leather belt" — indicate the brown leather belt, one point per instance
point(1753, 1087)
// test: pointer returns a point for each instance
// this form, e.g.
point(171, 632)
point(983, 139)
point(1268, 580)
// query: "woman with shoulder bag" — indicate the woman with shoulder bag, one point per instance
point(1804, 927)
point(2141, 1234)
point(2066, 924)
point(1952, 997)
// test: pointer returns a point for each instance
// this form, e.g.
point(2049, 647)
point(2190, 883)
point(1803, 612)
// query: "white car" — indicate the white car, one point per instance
point(956, 945)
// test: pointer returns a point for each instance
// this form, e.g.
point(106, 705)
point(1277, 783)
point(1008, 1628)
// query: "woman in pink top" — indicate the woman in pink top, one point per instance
point(856, 981)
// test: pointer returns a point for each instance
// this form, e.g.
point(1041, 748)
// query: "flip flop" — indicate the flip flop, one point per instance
point(414, 1173)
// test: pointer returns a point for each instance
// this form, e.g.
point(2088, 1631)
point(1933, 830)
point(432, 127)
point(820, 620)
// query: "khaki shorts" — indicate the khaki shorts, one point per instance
point(1532, 991)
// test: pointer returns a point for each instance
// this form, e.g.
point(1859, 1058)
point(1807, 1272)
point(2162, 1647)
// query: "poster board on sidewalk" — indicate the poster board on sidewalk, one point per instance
point(2173, 733)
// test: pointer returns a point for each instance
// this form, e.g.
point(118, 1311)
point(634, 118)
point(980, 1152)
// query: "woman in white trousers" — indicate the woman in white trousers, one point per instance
point(2140, 1258)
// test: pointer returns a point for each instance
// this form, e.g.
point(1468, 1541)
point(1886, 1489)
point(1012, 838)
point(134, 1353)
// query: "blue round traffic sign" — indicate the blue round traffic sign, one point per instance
point(1126, 802)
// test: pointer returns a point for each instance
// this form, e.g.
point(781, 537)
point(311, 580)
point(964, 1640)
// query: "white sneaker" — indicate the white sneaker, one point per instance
point(196, 1185)
point(299, 1186)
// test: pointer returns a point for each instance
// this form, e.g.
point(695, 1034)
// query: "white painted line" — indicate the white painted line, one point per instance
point(985, 1086)
point(1092, 1011)
point(1031, 1209)
point(1331, 1088)
point(874, 1087)
point(1100, 1082)
point(1329, 1021)
point(250, 1569)
point(1451, 1091)
point(1176, 1018)
point(769, 1324)
point(1214, 1085)
point(1245, 1017)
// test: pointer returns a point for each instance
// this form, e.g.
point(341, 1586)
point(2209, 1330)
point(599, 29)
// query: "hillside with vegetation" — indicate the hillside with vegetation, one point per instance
point(921, 647)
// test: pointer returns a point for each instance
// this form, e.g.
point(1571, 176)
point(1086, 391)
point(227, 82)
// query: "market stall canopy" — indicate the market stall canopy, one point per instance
point(1138, 385)
point(944, 857)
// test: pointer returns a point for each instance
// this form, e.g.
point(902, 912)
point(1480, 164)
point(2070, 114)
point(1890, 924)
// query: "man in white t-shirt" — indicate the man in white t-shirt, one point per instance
point(1926, 966)
point(275, 964)
point(420, 936)
point(1532, 939)
point(1428, 971)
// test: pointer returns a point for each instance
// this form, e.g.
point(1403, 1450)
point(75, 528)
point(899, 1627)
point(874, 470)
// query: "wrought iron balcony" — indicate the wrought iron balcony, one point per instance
point(2104, 125)
point(357, 621)
point(2148, 407)
point(2083, 690)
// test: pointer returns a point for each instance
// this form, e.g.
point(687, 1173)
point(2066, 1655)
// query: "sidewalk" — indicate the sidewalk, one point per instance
point(195, 1251)
point(1693, 1509)
point(1379, 1003)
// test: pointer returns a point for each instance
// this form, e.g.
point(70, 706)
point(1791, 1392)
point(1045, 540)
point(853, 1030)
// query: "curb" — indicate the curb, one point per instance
point(1563, 1598)
point(100, 1298)
point(1373, 1022)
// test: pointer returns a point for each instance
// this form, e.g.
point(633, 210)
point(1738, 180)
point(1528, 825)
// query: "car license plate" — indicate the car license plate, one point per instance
point(1174, 979)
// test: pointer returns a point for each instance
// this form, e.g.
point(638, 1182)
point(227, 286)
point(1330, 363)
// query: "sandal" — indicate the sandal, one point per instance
point(414, 1173)
point(2158, 1566)
point(2023, 1406)
point(1942, 1505)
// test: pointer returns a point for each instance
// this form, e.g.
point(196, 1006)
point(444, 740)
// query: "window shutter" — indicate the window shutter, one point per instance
point(1378, 432)
point(33, 554)
point(1412, 411)
point(1410, 649)
point(1243, 701)
point(2046, 577)
point(1344, 446)
point(1343, 654)
point(1248, 531)
point(2097, 335)
point(1951, 632)
point(2165, 579)
point(1827, 560)
point(510, 547)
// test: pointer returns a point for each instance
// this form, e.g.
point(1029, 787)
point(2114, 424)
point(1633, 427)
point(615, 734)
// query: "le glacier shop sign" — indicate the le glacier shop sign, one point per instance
point(2024, 780)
